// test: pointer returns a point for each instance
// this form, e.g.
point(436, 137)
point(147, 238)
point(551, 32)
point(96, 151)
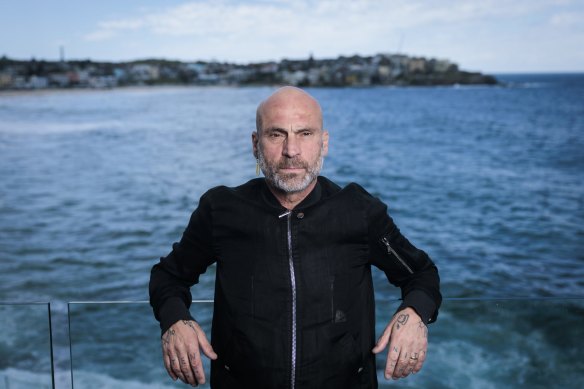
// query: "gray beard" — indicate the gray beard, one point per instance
point(290, 183)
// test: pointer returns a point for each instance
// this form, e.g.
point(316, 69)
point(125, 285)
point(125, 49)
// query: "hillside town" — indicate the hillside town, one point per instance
point(353, 71)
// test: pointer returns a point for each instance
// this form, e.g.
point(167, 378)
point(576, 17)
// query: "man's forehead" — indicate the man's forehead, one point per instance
point(298, 102)
point(292, 117)
point(291, 109)
point(297, 110)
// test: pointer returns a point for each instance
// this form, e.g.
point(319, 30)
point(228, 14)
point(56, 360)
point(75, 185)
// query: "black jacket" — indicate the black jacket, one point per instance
point(293, 291)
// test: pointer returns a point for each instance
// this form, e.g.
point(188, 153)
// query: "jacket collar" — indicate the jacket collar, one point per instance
point(313, 197)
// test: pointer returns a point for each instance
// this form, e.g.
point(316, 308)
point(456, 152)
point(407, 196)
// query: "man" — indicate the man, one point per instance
point(294, 304)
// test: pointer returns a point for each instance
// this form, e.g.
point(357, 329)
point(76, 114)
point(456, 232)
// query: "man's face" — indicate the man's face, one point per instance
point(291, 144)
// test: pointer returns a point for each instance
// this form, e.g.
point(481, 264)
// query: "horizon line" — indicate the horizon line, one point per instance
point(494, 72)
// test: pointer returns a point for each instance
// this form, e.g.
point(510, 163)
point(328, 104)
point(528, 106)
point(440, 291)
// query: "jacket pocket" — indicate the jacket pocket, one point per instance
point(345, 362)
point(392, 253)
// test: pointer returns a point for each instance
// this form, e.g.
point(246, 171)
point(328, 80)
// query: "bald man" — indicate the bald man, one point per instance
point(294, 304)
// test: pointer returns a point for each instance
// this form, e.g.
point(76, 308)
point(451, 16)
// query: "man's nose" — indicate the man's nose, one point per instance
point(291, 147)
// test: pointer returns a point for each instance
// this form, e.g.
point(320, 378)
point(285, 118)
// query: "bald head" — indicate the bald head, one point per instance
point(288, 96)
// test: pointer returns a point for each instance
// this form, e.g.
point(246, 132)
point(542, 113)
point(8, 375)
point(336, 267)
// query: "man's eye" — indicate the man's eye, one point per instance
point(275, 135)
point(306, 133)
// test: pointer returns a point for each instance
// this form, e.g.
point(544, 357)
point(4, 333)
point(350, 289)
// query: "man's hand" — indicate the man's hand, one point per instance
point(407, 336)
point(180, 351)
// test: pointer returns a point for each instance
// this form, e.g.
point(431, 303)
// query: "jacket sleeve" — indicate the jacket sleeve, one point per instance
point(172, 278)
point(405, 266)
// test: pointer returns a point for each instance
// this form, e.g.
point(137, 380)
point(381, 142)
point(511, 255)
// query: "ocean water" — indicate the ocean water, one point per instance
point(96, 185)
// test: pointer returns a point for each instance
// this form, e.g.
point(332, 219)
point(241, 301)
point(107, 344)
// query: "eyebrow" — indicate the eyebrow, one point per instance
point(280, 129)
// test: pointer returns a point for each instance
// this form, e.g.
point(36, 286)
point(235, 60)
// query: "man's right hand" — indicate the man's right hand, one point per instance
point(180, 350)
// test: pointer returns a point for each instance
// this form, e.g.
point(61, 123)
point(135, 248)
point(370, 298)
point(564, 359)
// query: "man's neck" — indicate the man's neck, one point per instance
point(290, 200)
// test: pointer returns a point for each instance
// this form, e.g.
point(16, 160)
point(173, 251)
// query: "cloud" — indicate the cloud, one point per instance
point(100, 35)
point(268, 30)
point(567, 19)
point(298, 17)
point(111, 28)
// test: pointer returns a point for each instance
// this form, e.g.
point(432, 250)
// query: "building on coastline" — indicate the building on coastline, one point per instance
point(353, 71)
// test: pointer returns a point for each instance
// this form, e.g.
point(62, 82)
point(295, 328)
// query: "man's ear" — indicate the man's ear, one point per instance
point(325, 140)
point(254, 143)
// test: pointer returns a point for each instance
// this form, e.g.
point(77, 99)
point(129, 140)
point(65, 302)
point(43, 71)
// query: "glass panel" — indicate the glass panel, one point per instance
point(25, 346)
point(515, 343)
point(117, 345)
point(476, 343)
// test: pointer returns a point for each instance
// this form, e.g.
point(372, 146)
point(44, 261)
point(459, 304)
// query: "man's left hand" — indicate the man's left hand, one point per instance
point(407, 337)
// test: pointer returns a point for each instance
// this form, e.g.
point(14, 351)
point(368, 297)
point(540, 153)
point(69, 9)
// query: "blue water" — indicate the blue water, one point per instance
point(96, 185)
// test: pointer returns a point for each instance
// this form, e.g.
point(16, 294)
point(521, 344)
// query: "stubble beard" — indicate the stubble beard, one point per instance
point(290, 183)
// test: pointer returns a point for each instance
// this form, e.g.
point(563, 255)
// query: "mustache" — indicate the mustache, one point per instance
point(292, 164)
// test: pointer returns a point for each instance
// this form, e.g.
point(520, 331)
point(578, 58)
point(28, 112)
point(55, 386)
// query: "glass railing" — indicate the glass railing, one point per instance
point(503, 343)
point(25, 346)
point(476, 343)
point(117, 345)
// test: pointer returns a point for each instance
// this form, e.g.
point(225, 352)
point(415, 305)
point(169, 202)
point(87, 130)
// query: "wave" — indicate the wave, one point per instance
point(47, 127)
point(23, 379)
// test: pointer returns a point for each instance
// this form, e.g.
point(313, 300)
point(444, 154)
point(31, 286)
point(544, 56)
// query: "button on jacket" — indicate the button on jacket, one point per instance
point(294, 303)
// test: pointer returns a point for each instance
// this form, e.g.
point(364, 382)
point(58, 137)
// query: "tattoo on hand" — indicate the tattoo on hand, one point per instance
point(402, 320)
point(424, 329)
point(166, 337)
point(190, 324)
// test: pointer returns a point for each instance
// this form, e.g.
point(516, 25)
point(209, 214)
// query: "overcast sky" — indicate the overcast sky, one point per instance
point(488, 35)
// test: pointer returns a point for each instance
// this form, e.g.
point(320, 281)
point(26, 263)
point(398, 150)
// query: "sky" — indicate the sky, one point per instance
point(491, 36)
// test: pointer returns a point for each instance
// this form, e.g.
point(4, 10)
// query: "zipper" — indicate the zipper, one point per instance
point(252, 298)
point(288, 214)
point(332, 281)
point(391, 251)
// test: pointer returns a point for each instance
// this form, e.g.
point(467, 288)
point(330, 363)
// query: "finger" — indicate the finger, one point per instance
point(205, 345)
point(175, 366)
point(185, 367)
point(196, 362)
point(168, 368)
point(383, 340)
point(392, 361)
point(412, 362)
point(421, 359)
point(196, 365)
point(401, 368)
